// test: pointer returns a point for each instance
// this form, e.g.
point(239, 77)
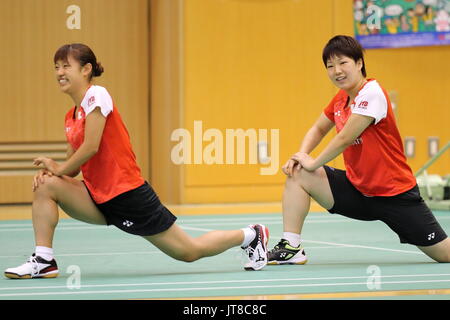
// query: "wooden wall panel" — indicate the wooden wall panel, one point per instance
point(33, 108)
point(166, 96)
point(257, 65)
point(252, 65)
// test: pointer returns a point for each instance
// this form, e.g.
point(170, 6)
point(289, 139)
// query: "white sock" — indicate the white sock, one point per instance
point(249, 235)
point(44, 252)
point(293, 238)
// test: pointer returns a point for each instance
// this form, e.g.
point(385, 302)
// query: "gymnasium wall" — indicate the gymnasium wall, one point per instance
point(252, 65)
point(222, 65)
point(257, 65)
point(33, 108)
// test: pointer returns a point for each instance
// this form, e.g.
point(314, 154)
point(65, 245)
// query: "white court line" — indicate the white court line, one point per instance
point(178, 283)
point(85, 226)
point(29, 224)
point(258, 217)
point(132, 253)
point(263, 221)
point(99, 227)
point(363, 247)
point(96, 254)
point(324, 242)
point(182, 220)
point(203, 222)
point(304, 240)
point(187, 289)
point(309, 219)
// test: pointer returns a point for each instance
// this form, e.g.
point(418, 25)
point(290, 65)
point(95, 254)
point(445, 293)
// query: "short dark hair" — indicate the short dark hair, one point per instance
point(344, 46)
point(83, 54)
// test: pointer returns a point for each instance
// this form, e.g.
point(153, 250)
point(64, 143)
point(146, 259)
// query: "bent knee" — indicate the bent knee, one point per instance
point(302, 176)
point(47, 185)
point(187, 256)
point(192, 251)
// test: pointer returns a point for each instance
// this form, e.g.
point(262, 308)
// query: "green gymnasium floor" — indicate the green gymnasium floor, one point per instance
point(348, 259)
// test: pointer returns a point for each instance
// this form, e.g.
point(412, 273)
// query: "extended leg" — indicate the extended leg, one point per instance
point(439, 252)
point(176, 243)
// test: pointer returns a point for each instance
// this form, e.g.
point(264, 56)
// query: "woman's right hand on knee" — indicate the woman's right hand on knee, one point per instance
point(290, 165)
point(39, 178)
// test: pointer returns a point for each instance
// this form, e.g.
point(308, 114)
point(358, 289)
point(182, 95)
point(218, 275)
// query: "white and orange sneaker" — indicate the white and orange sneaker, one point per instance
point(257, 249)
point(35, 267)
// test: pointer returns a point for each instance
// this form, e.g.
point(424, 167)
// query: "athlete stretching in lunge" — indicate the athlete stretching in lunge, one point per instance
point(113, 191)
point(378, 184)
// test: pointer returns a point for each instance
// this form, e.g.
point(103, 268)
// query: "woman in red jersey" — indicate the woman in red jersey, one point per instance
point(113, 191)
point(377, 184)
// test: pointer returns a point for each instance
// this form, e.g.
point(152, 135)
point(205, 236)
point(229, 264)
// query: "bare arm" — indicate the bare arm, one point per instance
point(69, 154)
point(354, 127)
point(95, 123)
point(311, 140)
point(316, 133)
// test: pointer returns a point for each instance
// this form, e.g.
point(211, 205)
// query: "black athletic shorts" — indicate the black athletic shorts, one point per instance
point(406, 214)
point(138, 212)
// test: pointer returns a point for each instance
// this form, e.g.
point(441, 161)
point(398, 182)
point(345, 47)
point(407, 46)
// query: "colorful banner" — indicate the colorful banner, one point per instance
point(401, 23)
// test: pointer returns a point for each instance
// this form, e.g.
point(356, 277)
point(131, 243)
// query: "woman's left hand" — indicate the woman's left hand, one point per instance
point(48, 164)
point(305, 161)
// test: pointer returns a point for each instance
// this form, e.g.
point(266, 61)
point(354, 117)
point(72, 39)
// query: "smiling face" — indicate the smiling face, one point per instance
point(344, 72)
point(71, 76)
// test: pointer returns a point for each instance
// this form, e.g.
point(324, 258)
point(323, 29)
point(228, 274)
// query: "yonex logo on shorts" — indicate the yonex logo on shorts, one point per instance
point(431, 236)
point(127, 223)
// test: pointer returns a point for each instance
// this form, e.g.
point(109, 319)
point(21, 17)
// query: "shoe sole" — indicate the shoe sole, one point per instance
point(279, 263)
point(266, 236)
point(27, 276)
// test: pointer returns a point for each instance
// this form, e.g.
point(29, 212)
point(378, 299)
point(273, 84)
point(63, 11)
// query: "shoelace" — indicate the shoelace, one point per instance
point(34, 266)
point(250, 252)
point(280, 244)
point(241, 256)
point(245, 254)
